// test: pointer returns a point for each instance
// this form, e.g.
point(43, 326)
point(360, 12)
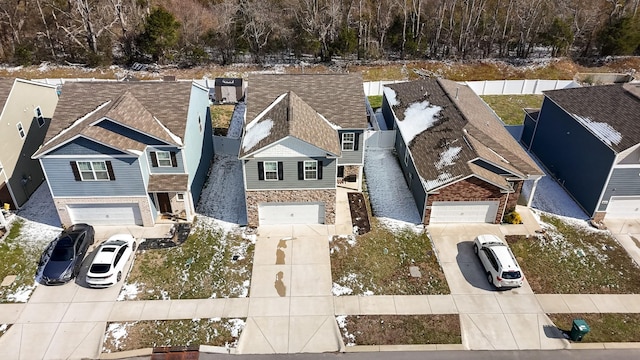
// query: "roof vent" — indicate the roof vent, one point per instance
point(457, 89)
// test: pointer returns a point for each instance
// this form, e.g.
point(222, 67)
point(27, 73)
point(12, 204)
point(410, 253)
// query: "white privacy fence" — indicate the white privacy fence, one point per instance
point(518, 87)
point(373, 88)
point(380, 139)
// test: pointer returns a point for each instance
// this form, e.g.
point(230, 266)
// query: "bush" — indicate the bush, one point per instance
point(513, 218)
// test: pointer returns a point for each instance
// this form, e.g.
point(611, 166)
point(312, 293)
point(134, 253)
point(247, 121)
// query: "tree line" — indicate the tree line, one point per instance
point(191, 32)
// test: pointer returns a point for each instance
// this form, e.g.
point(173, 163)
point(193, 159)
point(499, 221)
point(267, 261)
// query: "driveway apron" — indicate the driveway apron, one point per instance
point(290, 302)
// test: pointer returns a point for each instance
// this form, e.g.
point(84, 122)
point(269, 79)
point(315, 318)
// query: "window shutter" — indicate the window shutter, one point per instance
point(280, 170)
point(356, 141)
point(174, 161)
point(76, 172)
point(154, 159)
point(320, 163)
point(112, 176)
point(260, 170)
point(300, 170)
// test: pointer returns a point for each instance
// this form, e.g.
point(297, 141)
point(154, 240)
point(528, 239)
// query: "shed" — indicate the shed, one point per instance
point(227, 90)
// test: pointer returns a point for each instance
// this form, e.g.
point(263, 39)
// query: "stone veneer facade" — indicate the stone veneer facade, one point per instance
point(143, 204)
point(254, 198)
point(474, 189)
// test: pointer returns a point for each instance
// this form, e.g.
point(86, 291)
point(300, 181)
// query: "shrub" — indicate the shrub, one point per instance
point(513, 218)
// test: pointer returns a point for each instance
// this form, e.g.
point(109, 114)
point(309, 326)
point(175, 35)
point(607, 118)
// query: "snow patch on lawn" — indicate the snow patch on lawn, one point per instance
point(237, 121)
point(129, 292)
point(117, 333)
point(342, 324)
point(22, 294)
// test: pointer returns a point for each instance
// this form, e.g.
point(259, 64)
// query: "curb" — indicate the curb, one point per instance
point(385, 348)
point(604, 346)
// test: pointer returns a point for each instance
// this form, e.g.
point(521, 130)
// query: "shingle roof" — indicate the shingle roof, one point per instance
point(289, 115)
point(610, 112)
point(154, 108)
point(168, 182)
point(338, 97)
point(462, 130)
point(5, 89)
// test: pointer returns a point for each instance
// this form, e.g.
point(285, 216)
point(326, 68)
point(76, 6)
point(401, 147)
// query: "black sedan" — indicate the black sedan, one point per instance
point(62, 259)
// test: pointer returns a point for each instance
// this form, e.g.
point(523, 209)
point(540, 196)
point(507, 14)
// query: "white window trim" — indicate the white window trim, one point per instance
point(315, 171)
point(352, 141)
point(264, 165)
point(158, 152)
point(21, 131)
point(39, 117)
point(93, 171)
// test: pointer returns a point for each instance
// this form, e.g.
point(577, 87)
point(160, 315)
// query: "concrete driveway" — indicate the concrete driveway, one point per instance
point(490, 319)
point(627, 232)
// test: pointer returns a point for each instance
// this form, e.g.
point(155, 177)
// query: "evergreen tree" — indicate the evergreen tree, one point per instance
point(160, 34)
point(620, 37)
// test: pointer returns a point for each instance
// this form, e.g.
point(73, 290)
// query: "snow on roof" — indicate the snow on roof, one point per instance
point(605, 132)
point(448, 157)
point(442, 178)
point(256, 132)
point(333, 126)
point(390, 94)
point(173, 136)
point(418, 117)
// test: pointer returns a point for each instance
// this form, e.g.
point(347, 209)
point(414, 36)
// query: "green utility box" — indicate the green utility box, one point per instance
point(579, 329)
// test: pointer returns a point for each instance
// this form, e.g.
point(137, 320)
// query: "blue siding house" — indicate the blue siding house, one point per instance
point(589, 140)
point(127, 153)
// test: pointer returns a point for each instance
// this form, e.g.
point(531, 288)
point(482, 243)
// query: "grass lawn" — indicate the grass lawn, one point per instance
point(378, 263)
point(603, 327)
point(192, 332)
point(221, 115)
point(19, 258)
point(201, 268)
point(400, 329)
point(509, 107)
point(375, 101)
point(571, 258)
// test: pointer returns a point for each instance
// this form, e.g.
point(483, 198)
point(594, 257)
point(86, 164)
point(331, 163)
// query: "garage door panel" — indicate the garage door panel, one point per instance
point(623, 208)
point(105, 214)
point(290, 213)
point(463, 212)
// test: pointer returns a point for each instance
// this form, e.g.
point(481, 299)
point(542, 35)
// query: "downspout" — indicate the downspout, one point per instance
point(533, 191)
point(504, 209)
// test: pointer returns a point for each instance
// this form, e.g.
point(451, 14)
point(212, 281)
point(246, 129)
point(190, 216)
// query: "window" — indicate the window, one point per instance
point(180, 196)
point(20, 130)
point(39, 117)
point(164, 158)
point(406, 156)
point(310, 170)
point(93, 170)
point(270, 170)
point(348, 141)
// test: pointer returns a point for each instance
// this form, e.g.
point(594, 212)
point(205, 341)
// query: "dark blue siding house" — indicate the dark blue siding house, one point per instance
point(127, 153)
point(588, 139)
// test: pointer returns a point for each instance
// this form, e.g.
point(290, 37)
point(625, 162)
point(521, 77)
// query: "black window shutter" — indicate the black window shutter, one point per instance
point(154, 159)
point(174, 162)
point(280, 170)
point(356, 141)
point(112, 176)
point(300, 170)
point(320, 163)
point(260, 170)
point(76, 172)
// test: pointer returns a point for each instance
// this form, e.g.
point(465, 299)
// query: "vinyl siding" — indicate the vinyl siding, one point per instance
point(290, 175)
point(416, 188)
point(573, 155)
point(128, 181)
point(527, 130)
point(387, 114)
point(179, 169)
point(623, 182)
point(84, 146)
point(354, 157)
point(198, 141)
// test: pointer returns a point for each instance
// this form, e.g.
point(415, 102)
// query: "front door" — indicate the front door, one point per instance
point(164, 204)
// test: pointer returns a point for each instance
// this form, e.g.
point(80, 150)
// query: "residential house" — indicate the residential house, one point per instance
point(459, 161)
point(26, 109)
point(120, 153)
point(589, 139)
point(304, 135)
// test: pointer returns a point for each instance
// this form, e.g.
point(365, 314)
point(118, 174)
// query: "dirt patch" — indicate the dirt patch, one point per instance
point(179, 233)
point(606, 327)
point(359, 213)
point(400, 329)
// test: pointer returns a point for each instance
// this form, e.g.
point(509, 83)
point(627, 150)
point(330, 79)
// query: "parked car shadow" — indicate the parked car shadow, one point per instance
point(471, 268)
point(81, 278)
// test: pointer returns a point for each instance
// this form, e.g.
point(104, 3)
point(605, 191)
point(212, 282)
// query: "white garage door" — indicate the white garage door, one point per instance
point(463, 212)
point(105, 214)
point(627, 207)
point(291, 213)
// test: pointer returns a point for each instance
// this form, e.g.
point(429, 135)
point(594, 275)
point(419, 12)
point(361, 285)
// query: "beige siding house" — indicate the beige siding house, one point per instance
point(27, 108)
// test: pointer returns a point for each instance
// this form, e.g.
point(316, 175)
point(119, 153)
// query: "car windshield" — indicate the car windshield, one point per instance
point(511, 275)
point(100, 268)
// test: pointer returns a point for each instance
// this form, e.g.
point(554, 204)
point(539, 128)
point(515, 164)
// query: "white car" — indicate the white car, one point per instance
point(500, 265)
point(108, 265)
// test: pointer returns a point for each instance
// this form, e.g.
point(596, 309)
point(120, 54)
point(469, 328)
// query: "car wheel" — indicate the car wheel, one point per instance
point(490, 278)
point(119, 277)
point(475, 249)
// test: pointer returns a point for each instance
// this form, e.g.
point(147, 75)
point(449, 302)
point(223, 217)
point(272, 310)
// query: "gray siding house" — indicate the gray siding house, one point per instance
point(459, 162)
point(589, 140)
point(127, 153)
point(303, 136)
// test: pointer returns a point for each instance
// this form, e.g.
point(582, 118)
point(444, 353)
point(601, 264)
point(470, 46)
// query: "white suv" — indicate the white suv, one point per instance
point(498, 261)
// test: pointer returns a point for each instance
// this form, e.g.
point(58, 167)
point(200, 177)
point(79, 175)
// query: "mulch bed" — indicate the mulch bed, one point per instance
point(359, 213)
point(179, 232)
